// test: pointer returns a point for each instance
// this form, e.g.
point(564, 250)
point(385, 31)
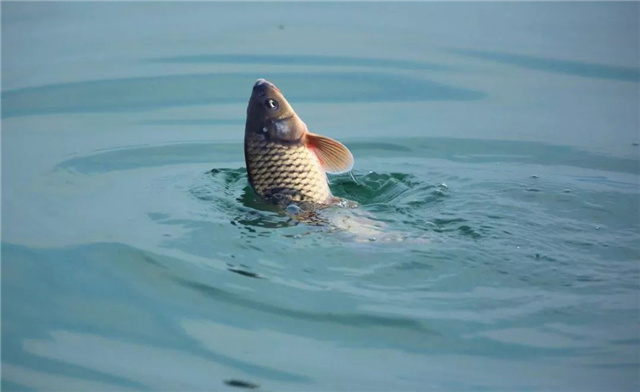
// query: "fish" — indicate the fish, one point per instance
point(285, 162)
point(287, 165)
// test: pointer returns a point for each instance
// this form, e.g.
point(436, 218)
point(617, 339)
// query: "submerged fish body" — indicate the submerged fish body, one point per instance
point(285, 162)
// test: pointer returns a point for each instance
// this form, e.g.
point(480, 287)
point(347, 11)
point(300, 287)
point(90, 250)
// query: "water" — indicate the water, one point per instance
point(497, 158)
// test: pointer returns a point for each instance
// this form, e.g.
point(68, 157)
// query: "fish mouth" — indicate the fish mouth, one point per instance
point(261, 81)
point(261, 85)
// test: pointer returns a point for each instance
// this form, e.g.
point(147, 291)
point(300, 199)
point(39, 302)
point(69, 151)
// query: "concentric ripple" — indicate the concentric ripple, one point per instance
point(388, 203)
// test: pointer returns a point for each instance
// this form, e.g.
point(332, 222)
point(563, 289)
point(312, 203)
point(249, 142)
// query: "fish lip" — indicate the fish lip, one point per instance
point(261, 85)
point(262, 81)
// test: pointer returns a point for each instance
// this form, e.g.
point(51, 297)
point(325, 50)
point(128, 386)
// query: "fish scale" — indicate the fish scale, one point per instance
point(290, 170)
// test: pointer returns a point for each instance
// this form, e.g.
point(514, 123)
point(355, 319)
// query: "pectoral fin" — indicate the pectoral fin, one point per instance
point(334, 157)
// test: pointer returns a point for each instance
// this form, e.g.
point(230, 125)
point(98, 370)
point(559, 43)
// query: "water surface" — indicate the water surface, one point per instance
point(497, 172)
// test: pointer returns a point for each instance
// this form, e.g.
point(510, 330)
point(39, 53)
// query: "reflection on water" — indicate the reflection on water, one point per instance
point(305, 60)
point(456, 150)
point(576, 68)
point(133, 94)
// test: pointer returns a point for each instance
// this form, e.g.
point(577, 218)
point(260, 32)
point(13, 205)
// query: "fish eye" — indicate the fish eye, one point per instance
point(271, 104)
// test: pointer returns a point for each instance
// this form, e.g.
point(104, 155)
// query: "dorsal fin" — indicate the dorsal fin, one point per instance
point(334, 157)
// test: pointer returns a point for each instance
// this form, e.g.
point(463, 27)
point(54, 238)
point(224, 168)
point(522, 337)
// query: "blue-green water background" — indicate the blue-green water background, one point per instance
point(497, 141)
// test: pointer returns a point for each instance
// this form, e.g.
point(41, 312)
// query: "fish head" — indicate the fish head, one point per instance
point(269, 114)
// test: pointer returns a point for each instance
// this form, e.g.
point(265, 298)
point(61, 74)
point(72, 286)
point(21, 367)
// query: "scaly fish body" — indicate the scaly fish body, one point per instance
point(289, 171)
point(285, 162)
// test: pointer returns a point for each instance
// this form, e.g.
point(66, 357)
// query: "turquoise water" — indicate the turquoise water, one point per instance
point(497, 169)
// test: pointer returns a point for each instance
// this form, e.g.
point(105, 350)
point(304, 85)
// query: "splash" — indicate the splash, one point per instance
point(374, 208)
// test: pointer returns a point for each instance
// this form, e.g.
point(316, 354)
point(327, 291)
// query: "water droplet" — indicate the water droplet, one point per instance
point(293, 209)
